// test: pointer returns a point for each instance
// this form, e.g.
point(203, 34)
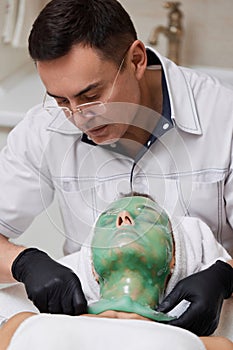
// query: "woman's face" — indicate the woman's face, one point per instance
point(133, 233)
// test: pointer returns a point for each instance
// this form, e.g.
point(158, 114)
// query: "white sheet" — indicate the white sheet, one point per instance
point(59, 332)
point(14, 299)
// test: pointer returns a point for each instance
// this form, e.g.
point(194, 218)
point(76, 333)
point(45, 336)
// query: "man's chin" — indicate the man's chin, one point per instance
point(103, 141)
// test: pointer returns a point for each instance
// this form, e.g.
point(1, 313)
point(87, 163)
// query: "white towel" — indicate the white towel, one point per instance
point(19, 17)
point(10, 17)
point(195, 249)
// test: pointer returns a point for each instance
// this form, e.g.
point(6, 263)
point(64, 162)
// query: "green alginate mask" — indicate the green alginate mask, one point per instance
point(132, 250)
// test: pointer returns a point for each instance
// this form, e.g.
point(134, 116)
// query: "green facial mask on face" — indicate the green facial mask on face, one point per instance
point(132, 249)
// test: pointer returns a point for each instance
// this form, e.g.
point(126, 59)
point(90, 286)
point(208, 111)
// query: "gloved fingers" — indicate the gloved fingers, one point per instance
point(79, 303)
point(187, 318)
point(74, 308)
point(196, 322)
point(171, 300)
point(75, 302)
point(78, 298)
point(55, 306)
point(64, 304)
point(40, 301)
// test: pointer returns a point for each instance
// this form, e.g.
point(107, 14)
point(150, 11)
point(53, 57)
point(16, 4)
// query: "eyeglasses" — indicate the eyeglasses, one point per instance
point(87, 110)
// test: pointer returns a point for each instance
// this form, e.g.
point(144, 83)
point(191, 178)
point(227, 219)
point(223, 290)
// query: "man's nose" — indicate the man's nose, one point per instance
point(72, 106)
point(79, 120)
point(124, 218)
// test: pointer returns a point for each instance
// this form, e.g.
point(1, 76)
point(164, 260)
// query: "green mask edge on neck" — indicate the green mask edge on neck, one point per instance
point(126, 304)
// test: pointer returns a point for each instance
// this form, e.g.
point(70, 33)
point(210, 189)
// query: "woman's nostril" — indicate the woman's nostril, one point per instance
point(120, 220)
point(128, 220)
point(124, 218)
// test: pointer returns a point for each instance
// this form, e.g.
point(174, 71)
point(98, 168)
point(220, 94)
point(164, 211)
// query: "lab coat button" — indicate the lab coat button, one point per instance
point(165, 126)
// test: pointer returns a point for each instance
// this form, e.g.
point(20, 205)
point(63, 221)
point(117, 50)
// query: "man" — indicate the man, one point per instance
point(126, 118)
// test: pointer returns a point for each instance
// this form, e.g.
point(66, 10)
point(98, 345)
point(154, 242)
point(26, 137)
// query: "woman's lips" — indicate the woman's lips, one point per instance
point(125, 235)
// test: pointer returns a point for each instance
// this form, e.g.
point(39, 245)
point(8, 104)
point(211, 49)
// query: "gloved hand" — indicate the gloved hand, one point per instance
point(52, 287)
point(206, 291)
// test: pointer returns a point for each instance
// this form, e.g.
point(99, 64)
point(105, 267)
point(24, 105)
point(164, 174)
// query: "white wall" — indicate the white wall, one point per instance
point(208, 38)
point(10, 58)
point(13, 49)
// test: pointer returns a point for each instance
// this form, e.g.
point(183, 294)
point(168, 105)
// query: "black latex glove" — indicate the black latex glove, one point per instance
point(206, 291)
point(52, 287)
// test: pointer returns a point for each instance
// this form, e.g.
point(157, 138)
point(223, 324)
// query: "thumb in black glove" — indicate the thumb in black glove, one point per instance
point(52, 287)
point(206, 291)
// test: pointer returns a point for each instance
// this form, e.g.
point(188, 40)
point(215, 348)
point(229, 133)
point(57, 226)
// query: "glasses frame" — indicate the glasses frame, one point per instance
point(88, 109)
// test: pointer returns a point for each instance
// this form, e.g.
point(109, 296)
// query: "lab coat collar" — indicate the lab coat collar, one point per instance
point(62, 125)
point(183, 109)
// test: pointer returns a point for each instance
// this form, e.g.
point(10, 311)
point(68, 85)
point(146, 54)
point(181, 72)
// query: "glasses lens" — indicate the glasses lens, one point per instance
point(57, 110)
point(91, 110)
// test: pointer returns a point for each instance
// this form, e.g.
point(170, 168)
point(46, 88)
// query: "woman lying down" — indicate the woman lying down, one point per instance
point(134, 259)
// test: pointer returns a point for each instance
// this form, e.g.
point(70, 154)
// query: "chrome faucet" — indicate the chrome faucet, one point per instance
point(173, 31)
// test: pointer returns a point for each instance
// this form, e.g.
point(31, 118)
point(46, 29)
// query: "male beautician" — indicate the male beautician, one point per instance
point(116, 117)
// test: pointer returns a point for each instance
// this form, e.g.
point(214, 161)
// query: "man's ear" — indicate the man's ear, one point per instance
point(138, 58)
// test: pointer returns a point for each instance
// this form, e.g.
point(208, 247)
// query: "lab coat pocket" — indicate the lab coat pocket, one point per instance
point(76, 200)
point(207, 203)
point(81, 201)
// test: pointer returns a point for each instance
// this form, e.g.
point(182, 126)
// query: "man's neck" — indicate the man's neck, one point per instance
point(148, 113)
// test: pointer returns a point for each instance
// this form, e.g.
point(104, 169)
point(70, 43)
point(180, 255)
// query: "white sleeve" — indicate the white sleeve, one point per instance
point(212, 250)
point(25, 187)
point(202, 248)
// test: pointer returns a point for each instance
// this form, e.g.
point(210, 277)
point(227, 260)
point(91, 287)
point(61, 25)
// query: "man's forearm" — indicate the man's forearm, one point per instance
point(8, 253)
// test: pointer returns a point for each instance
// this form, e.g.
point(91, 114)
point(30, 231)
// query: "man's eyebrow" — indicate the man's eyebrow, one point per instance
point(88, 88)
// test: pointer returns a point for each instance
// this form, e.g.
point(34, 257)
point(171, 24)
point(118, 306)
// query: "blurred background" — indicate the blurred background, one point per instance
point(202, 35)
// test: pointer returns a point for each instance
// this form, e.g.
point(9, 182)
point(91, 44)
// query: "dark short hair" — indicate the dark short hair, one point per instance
point(101, 24)
point(136, 194)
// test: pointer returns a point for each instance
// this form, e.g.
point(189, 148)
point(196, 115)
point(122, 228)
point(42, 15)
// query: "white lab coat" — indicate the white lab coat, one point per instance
point(188, 171)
